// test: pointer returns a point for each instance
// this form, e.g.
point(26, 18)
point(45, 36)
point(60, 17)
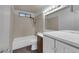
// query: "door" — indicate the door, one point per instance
point(48, 45)
point(60, 47)
point(70, 49)
point(5, 28)
point(65, 48)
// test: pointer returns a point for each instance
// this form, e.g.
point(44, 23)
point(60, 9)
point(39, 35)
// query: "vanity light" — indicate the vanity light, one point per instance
point(53, 8)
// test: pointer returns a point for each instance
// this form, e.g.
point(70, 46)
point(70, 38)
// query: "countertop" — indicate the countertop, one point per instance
point(65, 36)
point(40, 34)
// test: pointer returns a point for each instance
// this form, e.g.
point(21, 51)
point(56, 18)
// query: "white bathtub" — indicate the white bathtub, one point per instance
point(25, 41)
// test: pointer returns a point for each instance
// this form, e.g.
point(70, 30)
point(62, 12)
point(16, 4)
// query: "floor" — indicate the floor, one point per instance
point(25, 50)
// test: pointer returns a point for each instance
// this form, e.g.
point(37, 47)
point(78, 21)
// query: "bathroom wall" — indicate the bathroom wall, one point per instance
point(68, 20)
point(39, 23)
point(23, 26)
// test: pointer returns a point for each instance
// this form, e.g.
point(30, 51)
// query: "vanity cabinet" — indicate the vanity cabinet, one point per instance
point(55, 46)
point(48, 45)
point(65, 48)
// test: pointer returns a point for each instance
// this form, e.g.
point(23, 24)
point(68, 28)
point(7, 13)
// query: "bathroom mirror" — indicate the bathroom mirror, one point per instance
point(51, 23)
point(63, 19)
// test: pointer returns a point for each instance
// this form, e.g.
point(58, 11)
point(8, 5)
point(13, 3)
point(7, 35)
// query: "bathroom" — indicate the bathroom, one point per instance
point(30, 28)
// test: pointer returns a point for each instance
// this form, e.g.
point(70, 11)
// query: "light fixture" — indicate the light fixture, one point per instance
point(53, 8)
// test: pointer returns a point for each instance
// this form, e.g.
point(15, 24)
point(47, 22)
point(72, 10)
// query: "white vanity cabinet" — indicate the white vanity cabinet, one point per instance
point(51, 45)
point(65, 48)
point(48, 45)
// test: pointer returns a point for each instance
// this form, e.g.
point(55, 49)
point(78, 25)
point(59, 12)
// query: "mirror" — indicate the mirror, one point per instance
point(63, 19)
point(51, 23)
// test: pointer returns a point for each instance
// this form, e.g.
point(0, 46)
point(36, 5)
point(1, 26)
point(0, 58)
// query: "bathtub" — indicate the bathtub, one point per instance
point(25, 41)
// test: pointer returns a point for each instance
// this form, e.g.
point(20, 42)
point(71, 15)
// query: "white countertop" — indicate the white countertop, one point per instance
point(40, 34)
point(65, 36)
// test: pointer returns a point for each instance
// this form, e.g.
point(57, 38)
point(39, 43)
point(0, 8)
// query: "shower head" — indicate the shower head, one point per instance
point(31, 17)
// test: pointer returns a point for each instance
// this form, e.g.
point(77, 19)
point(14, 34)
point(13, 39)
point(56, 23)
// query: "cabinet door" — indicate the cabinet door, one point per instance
point(48, 45)
point(70, 49)
point(60, 47)
point(65, 48)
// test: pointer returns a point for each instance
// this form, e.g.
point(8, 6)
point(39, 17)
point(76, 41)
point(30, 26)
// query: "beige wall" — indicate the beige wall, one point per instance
point(52, 23)
point(23, 26)
point(39, 23)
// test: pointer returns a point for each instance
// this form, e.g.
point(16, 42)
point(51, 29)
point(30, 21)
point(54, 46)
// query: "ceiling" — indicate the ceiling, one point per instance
point(31, 8)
